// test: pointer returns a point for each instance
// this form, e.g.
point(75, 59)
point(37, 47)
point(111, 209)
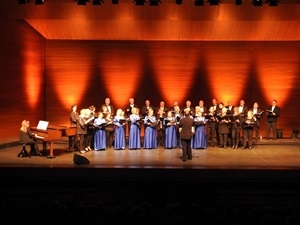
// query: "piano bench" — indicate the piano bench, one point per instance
point(23, 153)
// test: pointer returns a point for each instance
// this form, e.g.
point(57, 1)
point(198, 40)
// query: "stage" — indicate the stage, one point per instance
point(282, 154)
point(266, 175)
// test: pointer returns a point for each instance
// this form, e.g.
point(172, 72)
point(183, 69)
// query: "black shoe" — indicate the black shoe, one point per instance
point(184, 160)
point(70, 150)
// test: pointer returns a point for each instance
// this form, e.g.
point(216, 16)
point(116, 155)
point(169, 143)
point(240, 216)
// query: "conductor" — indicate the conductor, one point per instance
point(186, 133)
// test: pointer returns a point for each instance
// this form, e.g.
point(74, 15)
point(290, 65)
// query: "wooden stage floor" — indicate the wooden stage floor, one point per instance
point(266, 154)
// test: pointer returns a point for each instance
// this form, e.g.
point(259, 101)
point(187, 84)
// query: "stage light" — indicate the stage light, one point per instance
point(257, 2)
point(39, 2)
point(82, 2)
point(214, 2)
point(139, 2)
point(238, 2)
point(178, 2)
point(272, 2)
point(23, 1)
point(97, 2)
point(115, 2)
point(199, 2)
point(154, 2)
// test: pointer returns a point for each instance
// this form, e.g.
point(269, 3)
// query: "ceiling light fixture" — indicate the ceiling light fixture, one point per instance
point(154, 2)
point(199, 2)
point(272, 2)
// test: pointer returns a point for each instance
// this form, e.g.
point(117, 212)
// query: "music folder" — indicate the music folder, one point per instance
point(258, 114)
point(102, 125)
point(122, 121)
point(208, 116)
point(166, 122)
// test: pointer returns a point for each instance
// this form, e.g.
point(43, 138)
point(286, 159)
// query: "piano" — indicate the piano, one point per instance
point(51, 134)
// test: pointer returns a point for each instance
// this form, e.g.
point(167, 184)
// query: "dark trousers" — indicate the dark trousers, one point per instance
point(186, 149)
point(82, 141)
point(223, 139)
point(248, 135)
point(235, 136)
point(90, 138)
point(161, 137)
point(73, 141)
point(273, 126)
point(211, 134)
point(109, 138)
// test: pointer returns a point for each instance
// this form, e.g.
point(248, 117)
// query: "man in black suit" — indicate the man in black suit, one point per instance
point(273, 112)
point(203, 108)
point(108, 106)
point(145, 108)
point(128, 112)
point(243, 109)
point(230, 107)
point(186, 133)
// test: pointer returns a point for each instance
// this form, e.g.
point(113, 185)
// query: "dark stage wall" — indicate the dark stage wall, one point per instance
point(41, 79)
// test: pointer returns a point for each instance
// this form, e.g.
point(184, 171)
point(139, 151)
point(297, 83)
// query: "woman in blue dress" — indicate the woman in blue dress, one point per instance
point(170, 131)
point(100, 134)
point(120, 138)
point(178, 116)
point(135, 127)
point(150, 137)
point(199, 138)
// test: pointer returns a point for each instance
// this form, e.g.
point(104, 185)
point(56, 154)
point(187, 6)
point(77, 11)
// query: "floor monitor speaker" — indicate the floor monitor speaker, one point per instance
point(80, 160)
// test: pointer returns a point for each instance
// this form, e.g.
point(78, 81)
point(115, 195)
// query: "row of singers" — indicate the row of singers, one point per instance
point(105, 130)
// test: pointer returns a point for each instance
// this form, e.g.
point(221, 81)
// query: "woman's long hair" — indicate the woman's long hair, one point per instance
point(24, 126)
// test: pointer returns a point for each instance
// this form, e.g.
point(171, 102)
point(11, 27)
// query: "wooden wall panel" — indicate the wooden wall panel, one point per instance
point(59, 73)
point(17, 64)
point(254, 71)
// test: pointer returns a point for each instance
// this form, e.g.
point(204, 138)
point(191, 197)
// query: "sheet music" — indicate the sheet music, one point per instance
point(42, 125)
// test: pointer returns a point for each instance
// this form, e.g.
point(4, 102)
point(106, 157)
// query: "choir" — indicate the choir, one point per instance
point(225, 126)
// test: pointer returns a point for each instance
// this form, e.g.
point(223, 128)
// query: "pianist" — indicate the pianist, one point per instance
point(28, 138)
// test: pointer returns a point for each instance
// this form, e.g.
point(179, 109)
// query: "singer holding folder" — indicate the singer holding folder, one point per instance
point(150, 122)
point(273, 112)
